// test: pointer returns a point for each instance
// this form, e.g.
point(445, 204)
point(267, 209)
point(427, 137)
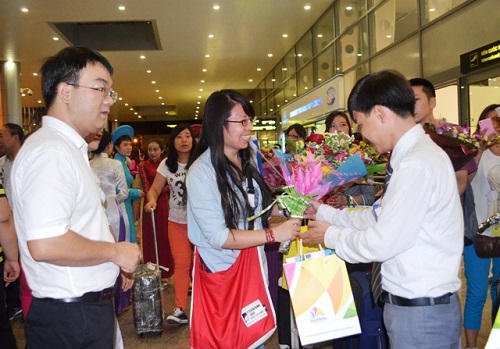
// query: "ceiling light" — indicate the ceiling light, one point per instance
point(198, 102)
point(35, 74)
point(153, 82)
point(199, 97)
point(216, 7)
point(131, 108)
point(269, 55)
point(157, 91)
point(259, 69)
point(162, 103)
point(55, 38)
point(148, 71)
point(39, 102)
point(160, 97)
point(285, 35)
point(139, 117)
point(359, 54)
point(136, 113)
point(204, 70)
point(250, 80)
point(126, 104)
point(201, 90)
point(121, 8)
point(273, 80)
point(211, 36)
point(320, 35)
point(307, 7)
point(348, 8)
point(207, 56)
point(202, 81)
point(196, 118)
point(142, 57)
point(432, 10)
point(166, 112)
point(120, 98)
point(24, 9)
point(116, 120)
point(388, 36)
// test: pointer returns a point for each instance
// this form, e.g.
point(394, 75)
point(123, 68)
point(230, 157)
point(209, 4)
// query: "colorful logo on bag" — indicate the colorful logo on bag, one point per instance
point(317, 315)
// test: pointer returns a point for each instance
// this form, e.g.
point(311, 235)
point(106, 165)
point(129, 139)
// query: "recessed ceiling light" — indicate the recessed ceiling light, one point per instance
point(432, 10)
point(269, 55)
point(285, 35)
point(55, 38)
point(320, 35)
point(259, 69)
point(139, 117)
point(207, 56)
point(121, 8)
point(388, 36)
point(142, 57)
point(201, 90)
point(116, 120)
point(348, 8)
point(35, 74)
point(197, 107)
point(204, 70)
point(153, 82)
point(24, 9)
point(131, 108)
point(148, 71)
point(160, 97)
point(359, 54)
point(198, 102)
point(202, 81)
point(250, 80)
point(307, 7)
point(135, 113)
point(39, 102)
point(211, 36)
point(216, 7)
point(299, 54)
point(273, 80)
point(120, 98)
point(162, 103)
point(166, 112)
point(157, 91)
point(126, 104)
point(196, 118)
point(199, 97)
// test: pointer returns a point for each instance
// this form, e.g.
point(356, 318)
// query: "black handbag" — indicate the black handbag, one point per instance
point(487, 246)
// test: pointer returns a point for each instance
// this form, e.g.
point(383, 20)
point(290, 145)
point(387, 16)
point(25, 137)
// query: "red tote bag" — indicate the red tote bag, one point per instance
point(231, 309)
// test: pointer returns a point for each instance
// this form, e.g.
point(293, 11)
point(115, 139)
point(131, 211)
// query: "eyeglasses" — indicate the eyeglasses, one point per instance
point(244, 122)
point(104, 92)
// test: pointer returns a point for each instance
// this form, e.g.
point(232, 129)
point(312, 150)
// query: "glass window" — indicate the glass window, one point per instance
point(404, 58)
point(324, 65)
point(279, 97)
point(270, 82)
point(304, 50)
point(349, 11)
point(323, 31)
point(436, 8)
point(271, 107)
point(305, 79)
point(290, 89)
point(353, 46)
point(391, 22)
point(289, 65)
point(278, 74)
point(373, 3)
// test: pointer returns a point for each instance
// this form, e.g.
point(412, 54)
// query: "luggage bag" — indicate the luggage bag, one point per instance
point(146, 296)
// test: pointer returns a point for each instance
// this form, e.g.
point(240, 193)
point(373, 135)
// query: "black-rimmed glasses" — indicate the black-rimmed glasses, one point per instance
point(104, 92)
point(244, 122)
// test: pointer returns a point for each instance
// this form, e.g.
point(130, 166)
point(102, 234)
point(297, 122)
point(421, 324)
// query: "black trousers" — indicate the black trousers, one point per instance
point(7, 340)
point(54, 325)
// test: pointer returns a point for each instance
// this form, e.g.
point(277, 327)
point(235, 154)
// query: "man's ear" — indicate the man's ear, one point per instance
point(64, 92)
point(379, 112)
point(432, 102)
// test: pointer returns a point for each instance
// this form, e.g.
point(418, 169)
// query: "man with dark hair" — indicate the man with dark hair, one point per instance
point(425, 100)
point(11, 139)
point(414, 232)
point(69, 255)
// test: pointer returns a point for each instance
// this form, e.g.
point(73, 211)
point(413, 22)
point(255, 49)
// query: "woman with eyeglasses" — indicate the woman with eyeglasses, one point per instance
point(294, 134)
point(224, 190)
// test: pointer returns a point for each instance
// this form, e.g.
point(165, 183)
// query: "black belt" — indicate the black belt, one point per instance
point(89, 297)
point(415, 302)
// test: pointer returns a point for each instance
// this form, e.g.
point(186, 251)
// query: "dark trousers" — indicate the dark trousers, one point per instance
point(7, 340)
point(55, 325)
point(13, 295)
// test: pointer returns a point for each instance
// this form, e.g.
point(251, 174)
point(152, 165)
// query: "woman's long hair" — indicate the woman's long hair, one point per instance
point(172, 155)
point(229, 177)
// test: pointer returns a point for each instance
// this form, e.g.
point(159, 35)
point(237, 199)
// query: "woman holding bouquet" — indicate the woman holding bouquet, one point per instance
point(224, 189)
point(358, 194)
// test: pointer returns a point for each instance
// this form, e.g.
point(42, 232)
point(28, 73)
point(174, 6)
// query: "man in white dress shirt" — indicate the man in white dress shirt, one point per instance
point(68, 253)
point(415, 230)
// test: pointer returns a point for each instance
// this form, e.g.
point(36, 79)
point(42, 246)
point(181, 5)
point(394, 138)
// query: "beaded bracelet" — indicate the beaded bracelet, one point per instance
point(269, 235)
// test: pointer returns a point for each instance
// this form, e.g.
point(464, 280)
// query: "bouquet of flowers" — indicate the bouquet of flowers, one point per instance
point(455, 141)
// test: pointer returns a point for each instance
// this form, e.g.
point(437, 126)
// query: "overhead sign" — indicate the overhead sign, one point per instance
point(480, 58)
point(319, 101)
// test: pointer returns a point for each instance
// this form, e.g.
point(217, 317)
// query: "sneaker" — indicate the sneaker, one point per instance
point(178, 317)
point(14, 312)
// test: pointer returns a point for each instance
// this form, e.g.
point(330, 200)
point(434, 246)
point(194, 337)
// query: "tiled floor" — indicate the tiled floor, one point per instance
point(177, 337)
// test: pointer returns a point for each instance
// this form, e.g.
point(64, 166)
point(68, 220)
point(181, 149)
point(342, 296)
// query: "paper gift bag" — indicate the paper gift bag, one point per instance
point(494, 338)
point(321, 297)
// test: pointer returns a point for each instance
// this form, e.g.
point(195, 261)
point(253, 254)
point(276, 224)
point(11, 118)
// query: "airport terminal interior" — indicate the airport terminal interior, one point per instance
point(295, 60)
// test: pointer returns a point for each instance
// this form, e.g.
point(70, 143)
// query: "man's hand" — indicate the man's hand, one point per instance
point(312, 209)
point(127, 256)
point(11, 271)
point(315, 234)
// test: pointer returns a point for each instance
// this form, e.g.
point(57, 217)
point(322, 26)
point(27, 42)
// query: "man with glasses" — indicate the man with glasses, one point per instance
point(69, 255)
